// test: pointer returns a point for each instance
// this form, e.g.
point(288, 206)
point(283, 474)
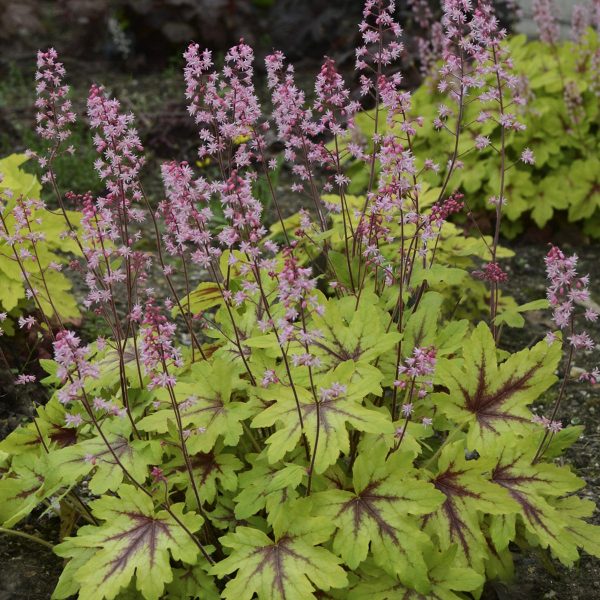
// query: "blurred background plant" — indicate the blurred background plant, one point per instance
point(50, 249)
point(560, 143)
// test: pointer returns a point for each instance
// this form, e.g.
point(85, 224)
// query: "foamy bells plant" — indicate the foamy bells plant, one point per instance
point(332, 429)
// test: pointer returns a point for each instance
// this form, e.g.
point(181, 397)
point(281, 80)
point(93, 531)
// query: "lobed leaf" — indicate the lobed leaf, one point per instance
point(491, 398)
point(134, 541)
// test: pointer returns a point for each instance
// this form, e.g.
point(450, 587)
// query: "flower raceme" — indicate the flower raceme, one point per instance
point(73, 366)
point(566, 289)
point(158, 353)
point(120, 156)
point(544, 14)
point(315, 405)
point(54, 116)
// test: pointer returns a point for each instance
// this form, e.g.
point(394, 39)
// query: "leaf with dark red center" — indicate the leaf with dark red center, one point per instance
point(206, 406)
point(290, 567)
point(469, 494)
point(134, 540)
point(351, 334)
point(76, 461)
point(493, 398)
point(212, 470)
point(550, 521)
point(332, 417)
point(29, 481)
point(380, 514)
point(50, 421)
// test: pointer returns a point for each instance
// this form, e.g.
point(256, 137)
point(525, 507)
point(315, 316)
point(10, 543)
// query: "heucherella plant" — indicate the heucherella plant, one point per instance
point(313, 419)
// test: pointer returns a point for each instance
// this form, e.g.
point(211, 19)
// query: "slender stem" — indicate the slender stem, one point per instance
point(494, 284)
point(27, 536)
point(547, 439)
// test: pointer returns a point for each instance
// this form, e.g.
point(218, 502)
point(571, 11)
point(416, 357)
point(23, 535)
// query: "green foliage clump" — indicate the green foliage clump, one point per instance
point(354, 500)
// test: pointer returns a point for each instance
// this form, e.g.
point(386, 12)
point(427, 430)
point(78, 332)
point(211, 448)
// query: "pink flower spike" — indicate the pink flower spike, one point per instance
point(54, 115)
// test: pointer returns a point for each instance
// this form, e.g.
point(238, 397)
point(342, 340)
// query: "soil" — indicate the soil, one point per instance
point(29, 570)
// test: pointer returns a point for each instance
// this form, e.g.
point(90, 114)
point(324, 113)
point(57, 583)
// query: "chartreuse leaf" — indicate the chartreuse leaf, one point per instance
point(446, 579)
point(67, 585)
point(332, 417)
point(133, 540)
point(16, 179)
point(513, 317)
point(422, 328)
point(11, 291)
point(437, 273)
point(29, 481)
point(468, 495)
point(205, 398)
point(288, 567)
point(267, 486)
point(353, 333)
point(76, 461)
point(581, 533)
point(562, 440)
point(346, 274)
point(109, 364)
point(206, 295)
point(491, 398)
point(549, 520)
point(379, 513)
point(17, 183)
point(413, 438)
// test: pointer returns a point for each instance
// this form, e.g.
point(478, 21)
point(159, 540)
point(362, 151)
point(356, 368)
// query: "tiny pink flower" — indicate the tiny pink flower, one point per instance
point(407, 409)
point(27, 322)
point(527, 157)
point(73, 420)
